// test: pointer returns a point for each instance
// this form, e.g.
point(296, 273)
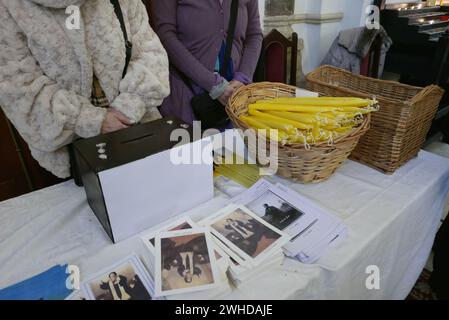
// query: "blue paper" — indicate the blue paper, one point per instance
point(49, 285)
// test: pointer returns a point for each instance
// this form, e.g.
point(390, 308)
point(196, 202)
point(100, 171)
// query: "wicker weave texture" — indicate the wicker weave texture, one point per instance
point(295, 161)
point(398, 129)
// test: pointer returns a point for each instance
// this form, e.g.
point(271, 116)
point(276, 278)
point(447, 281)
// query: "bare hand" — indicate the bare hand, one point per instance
point(236, 84)
point(226, 95)
point(114, 121)
point(233, 85)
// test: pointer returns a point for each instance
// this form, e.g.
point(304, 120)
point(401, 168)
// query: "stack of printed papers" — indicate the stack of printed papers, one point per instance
point(239, 274)
point(186, 262)
point(124, 280)
point(251, 243)
point(312, 229)
point(251, 235)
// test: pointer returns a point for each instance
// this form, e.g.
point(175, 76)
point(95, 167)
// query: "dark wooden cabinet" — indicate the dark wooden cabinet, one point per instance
point(19, 172)
point(13, 178)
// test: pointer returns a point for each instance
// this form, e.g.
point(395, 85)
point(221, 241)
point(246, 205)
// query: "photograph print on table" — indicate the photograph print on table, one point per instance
point(126, 280)
point(289, 211)
point(185, 262)
point(275, 210)
point(248, 235)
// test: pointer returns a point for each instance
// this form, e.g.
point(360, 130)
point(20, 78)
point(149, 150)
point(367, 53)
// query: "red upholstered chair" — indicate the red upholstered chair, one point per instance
point(274, 63)
point(369, 66)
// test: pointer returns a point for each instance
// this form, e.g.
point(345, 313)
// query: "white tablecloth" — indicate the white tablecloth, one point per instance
point(392, 222)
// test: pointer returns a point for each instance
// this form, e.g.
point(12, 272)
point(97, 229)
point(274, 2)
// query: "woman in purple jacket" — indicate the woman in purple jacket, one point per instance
point(194, 34)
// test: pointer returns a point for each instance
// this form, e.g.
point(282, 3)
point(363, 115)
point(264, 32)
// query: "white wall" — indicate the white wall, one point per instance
point(354, 13)
point(319, 37)
point(262, 11)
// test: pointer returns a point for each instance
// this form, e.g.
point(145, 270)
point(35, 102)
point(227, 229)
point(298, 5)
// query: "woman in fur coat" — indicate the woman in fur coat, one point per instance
point(58, 83)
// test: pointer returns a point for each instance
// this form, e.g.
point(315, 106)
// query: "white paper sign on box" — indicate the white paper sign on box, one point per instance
point(139, 185)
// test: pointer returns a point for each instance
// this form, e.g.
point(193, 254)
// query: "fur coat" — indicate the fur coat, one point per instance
point(46, 71)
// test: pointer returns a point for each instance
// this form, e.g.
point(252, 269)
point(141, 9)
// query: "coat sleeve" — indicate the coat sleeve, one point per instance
point(146, 83)
point(165, 21)
point(252, 45)
point(46, 116)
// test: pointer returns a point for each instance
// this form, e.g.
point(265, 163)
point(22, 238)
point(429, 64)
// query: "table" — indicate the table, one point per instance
point(392, 222)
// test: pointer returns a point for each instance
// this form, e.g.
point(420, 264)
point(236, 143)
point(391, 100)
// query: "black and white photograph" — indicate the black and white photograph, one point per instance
point(287, 210)
point(275, 210)
point(185, 262)
point(125, 281)
point(245, 233)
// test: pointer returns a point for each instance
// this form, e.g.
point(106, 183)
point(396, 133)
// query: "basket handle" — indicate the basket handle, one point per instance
point(432, 89)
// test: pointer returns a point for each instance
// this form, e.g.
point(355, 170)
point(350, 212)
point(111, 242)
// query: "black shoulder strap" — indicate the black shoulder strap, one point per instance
point(230, 38)
point(128, 43)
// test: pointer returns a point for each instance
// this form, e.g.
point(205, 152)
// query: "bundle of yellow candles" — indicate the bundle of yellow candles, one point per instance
point(309, 120)
point(238, 171)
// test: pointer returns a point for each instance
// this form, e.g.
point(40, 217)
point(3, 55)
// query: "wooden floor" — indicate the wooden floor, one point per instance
point(422, 290)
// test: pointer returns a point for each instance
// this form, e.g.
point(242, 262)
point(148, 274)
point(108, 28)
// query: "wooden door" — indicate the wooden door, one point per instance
point(19, 172)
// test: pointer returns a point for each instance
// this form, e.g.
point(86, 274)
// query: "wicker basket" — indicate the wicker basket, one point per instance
point(398, 130)
point(295, 161)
